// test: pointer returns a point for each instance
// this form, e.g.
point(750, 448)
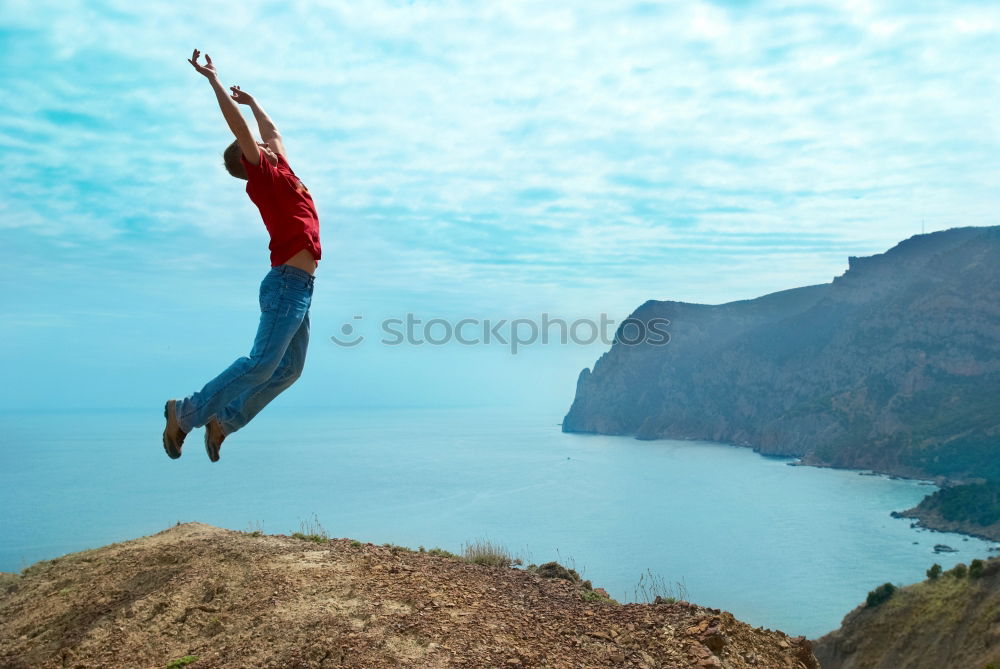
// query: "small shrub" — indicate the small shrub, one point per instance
point(486, 552)
point(934, 572)
point(555, 570)
point(880, 595)
point(311, 531)
point(356, 544)
point(595, 596)
point(654, 589)
point(976, 568)
point(182, 661)
point(318, 538)
point(254, 529)
point(214, 626)
point(440, 552)
point(959, 570)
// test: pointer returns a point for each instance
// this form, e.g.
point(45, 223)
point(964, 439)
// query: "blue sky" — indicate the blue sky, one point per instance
point(492, 160)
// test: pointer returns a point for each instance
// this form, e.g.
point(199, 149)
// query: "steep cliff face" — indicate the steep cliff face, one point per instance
point(893, 366)
point(950, 622)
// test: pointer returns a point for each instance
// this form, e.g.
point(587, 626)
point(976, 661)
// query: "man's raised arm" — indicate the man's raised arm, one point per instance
point(268, 131)
point(230, 111)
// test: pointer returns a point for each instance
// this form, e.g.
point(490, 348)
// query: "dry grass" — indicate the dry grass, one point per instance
point(486, 552)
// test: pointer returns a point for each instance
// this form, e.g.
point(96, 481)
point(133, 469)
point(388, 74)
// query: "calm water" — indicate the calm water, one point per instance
point(792, 548)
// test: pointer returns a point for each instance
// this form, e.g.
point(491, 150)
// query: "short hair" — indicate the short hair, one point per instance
point(231, 157)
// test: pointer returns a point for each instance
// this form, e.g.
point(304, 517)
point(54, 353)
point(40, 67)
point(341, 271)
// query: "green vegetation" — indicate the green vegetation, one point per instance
point(556, 570)
point(486, 552)
point(214, 626)
point(254, 529)
point(880, 595)
point(967, 402)
point(976, 568)
point(318, 538)
point(594, 596)
point(182, 662)
point(977, 503)
point(934, 572)
point(311, 531)
point(959, 570)
point(440, 552)
point(586, 589)
point(356, 544)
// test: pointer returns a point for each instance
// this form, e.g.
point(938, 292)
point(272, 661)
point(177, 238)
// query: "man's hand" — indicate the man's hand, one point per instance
point(268, 132)
point(207, 69)
point(230, 112)
point(242, 97)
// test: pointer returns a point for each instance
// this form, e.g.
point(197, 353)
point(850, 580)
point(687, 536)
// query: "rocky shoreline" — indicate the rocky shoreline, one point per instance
point(925, 519)
point(930, 520)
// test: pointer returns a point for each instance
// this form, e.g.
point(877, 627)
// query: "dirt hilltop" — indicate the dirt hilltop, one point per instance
point(236, 599)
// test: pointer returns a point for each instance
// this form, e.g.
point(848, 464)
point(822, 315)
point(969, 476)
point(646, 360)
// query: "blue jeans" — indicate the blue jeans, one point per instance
point(275, 361)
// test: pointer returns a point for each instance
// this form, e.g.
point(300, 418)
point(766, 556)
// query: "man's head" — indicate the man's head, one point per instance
point(231, 156)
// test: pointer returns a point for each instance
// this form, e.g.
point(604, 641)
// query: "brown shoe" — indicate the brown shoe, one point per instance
point(213, 438)
point(173, 435)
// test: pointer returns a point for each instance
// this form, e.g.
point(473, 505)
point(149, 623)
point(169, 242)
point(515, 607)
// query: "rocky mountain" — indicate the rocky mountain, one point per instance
point(206, 597)
point(893, 366)
point(948, 622)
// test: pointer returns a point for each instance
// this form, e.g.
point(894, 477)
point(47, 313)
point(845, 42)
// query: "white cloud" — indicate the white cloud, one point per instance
point(590, 141)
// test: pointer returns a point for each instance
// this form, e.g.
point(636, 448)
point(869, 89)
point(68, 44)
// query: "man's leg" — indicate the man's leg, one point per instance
point(284, 305)
point(241, 410)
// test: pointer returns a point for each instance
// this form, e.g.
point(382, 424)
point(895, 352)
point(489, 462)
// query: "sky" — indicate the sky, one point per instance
point(468, 160)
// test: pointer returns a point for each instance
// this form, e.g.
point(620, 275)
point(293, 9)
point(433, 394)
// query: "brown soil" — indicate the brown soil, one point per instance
point(232, 599)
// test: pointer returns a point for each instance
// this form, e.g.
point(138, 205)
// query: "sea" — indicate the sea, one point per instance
point(782, 547)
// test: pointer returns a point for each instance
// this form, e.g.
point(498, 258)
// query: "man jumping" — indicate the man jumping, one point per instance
point(231, 399)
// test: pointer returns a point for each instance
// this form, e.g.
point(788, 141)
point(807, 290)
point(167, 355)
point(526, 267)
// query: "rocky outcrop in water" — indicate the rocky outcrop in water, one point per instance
point(893, 366)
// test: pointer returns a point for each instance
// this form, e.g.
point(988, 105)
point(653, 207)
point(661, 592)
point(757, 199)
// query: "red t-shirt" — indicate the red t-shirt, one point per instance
point(286, 207)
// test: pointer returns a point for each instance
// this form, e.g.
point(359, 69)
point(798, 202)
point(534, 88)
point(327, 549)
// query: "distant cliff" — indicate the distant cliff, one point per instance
point(948, 622)
point(893, 366)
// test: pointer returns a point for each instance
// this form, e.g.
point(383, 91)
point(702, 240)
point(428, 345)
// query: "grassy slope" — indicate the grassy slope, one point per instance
point(948, 622)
